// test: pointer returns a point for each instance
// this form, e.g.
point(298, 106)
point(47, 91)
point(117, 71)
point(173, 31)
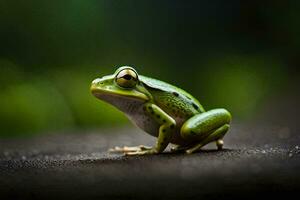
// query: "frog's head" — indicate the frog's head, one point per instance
point(122, 86)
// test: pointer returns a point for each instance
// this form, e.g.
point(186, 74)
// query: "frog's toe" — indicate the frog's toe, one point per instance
point(220, 144)
point(144, 152)
point(123, 149)
point(126, 149)
point(133, 153)
point(115, 149)
point(143, 147)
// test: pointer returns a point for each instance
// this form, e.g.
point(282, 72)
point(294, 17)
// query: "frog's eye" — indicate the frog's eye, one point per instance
point(127, 78)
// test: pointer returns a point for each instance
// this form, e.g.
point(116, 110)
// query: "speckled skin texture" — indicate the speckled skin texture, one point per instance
point(177, 106)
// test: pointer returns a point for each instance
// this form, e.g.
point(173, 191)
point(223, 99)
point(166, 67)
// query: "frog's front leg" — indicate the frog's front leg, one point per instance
point(206, 127)
point(166, 129)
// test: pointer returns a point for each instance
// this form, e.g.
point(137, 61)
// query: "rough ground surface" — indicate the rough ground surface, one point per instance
point(260, 161)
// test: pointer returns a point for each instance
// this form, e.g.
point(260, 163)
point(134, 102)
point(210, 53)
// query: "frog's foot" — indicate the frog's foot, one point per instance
point(127, 149)
point(141, 152)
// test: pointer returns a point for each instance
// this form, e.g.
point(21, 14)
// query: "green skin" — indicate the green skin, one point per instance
point(162, 110)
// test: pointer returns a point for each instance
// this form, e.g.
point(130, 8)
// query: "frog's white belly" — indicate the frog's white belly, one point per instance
point(143, 121)
point(133, 108)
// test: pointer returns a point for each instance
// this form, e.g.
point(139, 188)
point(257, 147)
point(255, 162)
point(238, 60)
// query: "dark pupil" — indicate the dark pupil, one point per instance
point(127, 77)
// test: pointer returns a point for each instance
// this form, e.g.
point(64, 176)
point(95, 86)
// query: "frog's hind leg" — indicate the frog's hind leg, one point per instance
point(206, 127)
point(217, 136)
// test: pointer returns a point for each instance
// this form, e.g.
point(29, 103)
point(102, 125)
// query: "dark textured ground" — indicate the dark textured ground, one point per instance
point(260, 161)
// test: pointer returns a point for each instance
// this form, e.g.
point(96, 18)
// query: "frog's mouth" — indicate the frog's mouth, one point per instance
point(102, 92)
point(107, 96)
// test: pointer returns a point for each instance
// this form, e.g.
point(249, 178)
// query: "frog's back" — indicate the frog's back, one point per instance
point(173, 100)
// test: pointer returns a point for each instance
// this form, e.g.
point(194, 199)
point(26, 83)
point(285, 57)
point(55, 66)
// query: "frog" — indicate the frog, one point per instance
point(162, 110)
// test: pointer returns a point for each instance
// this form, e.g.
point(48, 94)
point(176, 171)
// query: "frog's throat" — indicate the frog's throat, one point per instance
point(126, 104)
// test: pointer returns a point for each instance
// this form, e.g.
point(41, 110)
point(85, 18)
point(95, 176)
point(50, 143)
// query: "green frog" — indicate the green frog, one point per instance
point(162, 110)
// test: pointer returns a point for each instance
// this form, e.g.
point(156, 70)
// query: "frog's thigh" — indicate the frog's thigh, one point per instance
point(198, 128)
point(216, 135)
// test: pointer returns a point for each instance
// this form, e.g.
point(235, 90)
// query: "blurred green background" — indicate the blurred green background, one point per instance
point(232, 54)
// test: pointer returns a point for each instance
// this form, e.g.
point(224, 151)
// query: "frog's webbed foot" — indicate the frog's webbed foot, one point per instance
point(142, 152)
point(127, 149)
